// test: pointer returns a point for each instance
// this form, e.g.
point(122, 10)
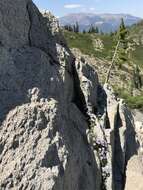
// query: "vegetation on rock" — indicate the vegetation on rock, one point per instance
point(128, 69)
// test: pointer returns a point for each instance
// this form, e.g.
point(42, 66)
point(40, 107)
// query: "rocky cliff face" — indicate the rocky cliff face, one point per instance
point(60, 130)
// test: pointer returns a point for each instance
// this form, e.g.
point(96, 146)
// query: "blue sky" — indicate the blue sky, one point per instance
point(63, 7)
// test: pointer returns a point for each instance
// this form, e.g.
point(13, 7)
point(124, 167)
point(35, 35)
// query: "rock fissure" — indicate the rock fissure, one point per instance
point(30, 19)
point(60, 129)
point(79, 98)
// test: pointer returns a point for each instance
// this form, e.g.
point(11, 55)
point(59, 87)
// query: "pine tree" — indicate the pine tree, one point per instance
point(123, 53)
point(92, 29)
point(122, 38)
point(65, 27)
point(89, 31)
point(96, 30)
point(68, 28)
point(76, 27)
point(84, 31)
point(119, 55)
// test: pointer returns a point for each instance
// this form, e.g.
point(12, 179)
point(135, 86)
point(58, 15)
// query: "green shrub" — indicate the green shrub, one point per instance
point(134, 102)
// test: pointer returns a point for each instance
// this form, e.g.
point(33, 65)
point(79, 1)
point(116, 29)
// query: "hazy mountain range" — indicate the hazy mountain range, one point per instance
point(105, 22)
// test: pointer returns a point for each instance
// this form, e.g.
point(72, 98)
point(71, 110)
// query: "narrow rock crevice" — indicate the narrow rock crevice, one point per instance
point(107, 122)
point(79, 98)
point(60, 128)
point(101, 101)
point(30, 20)
point(119, 176)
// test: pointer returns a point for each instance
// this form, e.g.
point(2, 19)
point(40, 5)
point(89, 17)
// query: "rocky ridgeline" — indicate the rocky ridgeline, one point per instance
point(60, 129)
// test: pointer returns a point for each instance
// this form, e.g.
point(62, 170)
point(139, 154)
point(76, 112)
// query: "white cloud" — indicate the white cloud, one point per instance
point(72, 6)
point(92, 9)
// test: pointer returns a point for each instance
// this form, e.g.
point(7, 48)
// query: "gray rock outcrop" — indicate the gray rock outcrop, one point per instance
point(59, 128)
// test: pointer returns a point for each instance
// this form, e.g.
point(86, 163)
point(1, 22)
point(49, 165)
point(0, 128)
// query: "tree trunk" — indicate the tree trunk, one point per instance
point(112, 62)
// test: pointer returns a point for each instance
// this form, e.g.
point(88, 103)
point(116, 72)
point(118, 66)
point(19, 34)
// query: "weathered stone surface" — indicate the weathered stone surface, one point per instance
point(87, 78)
point(26, 68)
point(43, 143)
point(135, 164)
point(43, 149)
point(14, 23)
point(59, 129)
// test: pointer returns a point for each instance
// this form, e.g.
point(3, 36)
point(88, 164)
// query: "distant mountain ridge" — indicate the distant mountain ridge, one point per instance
point(105, 22)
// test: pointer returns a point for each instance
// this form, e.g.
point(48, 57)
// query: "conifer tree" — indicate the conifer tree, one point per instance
point(120, 52)
point(76, 29)
point(92, 29)
point(84, 31)
point(68, 28)
point(96, 30)
point(122, 35)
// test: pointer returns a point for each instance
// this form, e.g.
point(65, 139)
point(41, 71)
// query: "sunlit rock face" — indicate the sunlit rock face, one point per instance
point(59, 128)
